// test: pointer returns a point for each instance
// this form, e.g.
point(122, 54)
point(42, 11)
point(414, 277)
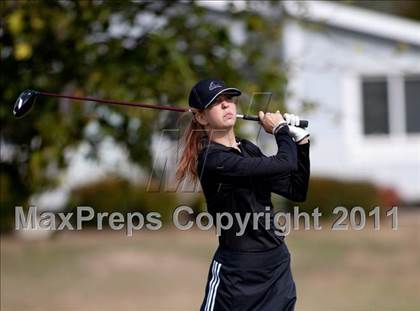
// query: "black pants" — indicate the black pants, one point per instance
point(257, 281)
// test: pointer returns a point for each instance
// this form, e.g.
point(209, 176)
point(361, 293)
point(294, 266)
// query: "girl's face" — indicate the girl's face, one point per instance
point(221, 114)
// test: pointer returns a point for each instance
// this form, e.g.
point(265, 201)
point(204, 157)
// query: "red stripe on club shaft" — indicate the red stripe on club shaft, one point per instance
point(115, 102)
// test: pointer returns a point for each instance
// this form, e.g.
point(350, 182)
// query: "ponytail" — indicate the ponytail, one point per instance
point(192, 141)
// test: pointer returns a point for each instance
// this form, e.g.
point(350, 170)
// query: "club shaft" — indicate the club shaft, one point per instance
point(115, 102)
point(303, 123)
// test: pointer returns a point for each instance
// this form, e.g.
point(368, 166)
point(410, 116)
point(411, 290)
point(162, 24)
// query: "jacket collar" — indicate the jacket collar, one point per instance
point(215, 145)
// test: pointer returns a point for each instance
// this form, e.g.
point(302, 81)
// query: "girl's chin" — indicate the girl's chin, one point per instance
point(229, 121)
point(225, 125)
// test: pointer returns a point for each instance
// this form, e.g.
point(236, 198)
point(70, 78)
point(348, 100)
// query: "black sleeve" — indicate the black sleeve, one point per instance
point(293, 186)
point(232, 164)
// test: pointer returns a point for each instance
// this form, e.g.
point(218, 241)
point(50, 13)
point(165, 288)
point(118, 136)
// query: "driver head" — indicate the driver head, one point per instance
point(24, 103)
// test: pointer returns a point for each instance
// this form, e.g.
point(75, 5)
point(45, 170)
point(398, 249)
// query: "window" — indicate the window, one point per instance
point(390, 105)
point(412, 104)
point(375, 106)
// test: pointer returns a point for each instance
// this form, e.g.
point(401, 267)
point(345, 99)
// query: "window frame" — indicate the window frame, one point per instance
point(364, 149)
point(395, 83)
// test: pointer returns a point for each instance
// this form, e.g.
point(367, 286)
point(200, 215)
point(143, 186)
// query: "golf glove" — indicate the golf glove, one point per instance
point(297, 133)
point(291, 119)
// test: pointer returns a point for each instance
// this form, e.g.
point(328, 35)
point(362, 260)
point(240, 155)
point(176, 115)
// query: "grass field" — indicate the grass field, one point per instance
point(167, 270)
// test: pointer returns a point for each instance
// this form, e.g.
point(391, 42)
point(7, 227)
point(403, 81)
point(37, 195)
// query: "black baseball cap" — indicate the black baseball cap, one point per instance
point(205, 92)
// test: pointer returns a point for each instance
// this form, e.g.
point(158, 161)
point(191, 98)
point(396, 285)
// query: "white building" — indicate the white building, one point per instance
point(363, 70)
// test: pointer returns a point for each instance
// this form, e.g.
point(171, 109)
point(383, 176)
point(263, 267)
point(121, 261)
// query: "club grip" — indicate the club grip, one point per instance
point(302, 123)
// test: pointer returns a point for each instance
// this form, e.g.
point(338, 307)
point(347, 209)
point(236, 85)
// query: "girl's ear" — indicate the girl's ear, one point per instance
point(201, 118)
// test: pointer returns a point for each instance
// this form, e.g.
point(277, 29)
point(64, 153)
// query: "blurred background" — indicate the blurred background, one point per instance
point(352, 68)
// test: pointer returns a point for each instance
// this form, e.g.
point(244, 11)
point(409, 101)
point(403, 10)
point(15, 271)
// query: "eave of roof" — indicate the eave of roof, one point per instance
point(339, 15)
point(356, 19)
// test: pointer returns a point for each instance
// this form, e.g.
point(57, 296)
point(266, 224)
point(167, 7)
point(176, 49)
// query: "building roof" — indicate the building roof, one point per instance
point(338, 15)
point(356, 19)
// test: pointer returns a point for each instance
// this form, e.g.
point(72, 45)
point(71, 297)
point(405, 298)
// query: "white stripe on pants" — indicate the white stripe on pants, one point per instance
point(214, 283)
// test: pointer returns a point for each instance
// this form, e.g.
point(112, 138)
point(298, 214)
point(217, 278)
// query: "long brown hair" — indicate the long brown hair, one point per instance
point(192, 141)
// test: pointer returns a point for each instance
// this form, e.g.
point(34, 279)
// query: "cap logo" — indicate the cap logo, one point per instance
point(213, 85)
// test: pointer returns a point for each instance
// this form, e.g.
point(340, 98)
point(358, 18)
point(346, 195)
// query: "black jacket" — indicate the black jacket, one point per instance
point(242, 182)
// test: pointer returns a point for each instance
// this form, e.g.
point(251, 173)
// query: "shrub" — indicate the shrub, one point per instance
point(115, 194)
point(328, 193)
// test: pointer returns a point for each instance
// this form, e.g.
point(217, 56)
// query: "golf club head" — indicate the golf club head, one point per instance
point(24, 103)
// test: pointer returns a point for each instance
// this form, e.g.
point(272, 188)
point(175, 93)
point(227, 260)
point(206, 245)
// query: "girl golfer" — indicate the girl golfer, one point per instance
point(249, 271)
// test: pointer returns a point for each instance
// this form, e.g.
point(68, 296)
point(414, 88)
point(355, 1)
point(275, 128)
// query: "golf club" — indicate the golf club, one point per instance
point(27, 99)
